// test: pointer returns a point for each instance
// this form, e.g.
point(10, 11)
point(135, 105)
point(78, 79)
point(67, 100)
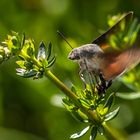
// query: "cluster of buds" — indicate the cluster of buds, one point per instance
point(99, 105)
point(4, 54)
point(30, 64)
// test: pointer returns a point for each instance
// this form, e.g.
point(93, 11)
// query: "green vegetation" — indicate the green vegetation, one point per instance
point(29, 107)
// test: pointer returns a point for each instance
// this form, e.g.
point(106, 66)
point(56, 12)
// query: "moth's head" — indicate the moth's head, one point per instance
point(74, 54)
point(85, 51)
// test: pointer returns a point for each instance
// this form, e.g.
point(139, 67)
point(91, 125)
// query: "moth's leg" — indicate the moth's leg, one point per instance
point(104, 83)
point(89, 76)
point(97, 80)
point(109, 83)
point(92, 77)
point(82, 77)
point(101, 85)
point(97, 83)
point(93, 80)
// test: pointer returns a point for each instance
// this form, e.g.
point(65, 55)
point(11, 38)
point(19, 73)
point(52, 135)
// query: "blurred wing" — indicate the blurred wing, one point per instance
point(102, 40)
point(117, 63)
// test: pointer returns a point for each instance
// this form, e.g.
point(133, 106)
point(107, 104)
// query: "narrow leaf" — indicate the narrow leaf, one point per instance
point(26, 73)
point(49, 50)
point(112, 114)
point(134, 28)
point(101, 130)
point(51, 62)
point(20, 70)
point(93, 133)
point(84, 102)
point(28, 50)
point(20, 63)
point(79, 134)
point(67, 101)
point(130, 96)
point(73, 89)
point(109, 101)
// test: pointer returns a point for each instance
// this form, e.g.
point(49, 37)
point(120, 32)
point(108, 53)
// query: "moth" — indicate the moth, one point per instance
point(97, 60)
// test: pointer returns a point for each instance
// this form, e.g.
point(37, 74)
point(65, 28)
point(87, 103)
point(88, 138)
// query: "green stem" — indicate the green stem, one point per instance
point(112, 134)
point(62, 87)
point(90, 113)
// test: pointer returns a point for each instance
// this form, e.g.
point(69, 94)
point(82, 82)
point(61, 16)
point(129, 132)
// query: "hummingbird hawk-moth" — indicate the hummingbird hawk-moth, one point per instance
point(96, 59)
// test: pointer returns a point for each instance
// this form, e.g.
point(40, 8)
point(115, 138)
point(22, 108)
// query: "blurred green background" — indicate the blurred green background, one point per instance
point(32, 109)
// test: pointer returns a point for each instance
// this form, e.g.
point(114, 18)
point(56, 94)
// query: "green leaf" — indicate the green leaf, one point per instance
point(67, 101)
point(109, 101)
point(24, 64)
point(51, 62)
point(84, 102)
point(13, 43)
point(49, 50)
point(101, 109)
point(129, 96)
point(79, 134)
point(38, 75)
point(101, 130)
point(28, 50)
point(73, 89)
point(26, 73)
point(41, 52)
point(28, 65)
point(20, 70)
point(112, 115)
point(21, 63)
point(133, 30)
point(93, 133)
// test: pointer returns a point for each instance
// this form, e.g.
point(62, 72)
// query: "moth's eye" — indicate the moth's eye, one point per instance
point(74, 55)
point(77, 57)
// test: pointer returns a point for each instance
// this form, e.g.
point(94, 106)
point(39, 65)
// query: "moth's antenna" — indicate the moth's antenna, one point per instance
point(64, 38)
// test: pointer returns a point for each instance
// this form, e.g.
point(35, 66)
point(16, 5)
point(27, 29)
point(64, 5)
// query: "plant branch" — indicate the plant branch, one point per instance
point(90, 113)
point(111, 133)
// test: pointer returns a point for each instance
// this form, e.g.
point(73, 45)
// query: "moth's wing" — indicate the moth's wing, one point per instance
point(115, 64)
point(102, 40)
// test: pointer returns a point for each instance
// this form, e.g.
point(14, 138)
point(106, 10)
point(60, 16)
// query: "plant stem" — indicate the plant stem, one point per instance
point(112, 134)
point(62, 87)
point(90, 113)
